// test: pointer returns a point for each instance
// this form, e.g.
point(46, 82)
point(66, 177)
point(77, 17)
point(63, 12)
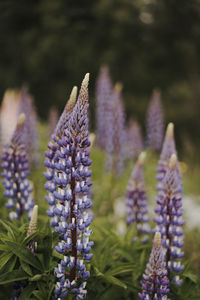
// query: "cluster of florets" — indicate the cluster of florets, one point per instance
point(155, 122)
point(134, 139)
point(69, 184)
point(136, 201)
point(155, 283)
point(104, 107)
point(15, 166)
point(168, 218)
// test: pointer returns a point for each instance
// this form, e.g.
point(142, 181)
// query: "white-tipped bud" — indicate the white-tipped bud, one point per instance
point(170, 130)
point(33, 222)
point(72, 99)
point(157, 239)
point(86, 79)
point(141, 158)
point(21, 119)
point(172, 162)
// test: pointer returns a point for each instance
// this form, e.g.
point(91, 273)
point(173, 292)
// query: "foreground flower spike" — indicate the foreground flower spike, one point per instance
point(104, 109)
point(69, 199)
point(17, 188)
point(134, 139)
point(155, 122)
point(168, 218)
point(155, 283)
point(136, 201)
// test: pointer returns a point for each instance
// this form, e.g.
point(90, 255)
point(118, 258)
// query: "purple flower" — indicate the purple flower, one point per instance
point(155, 283)
point(30, 127)
point(136, 201)
point(52, 120)
point(168, 218)
point(134, 139)
point(17, 188)
point(118, 136)
point(155, 122)
point(104, 106)
point(69, 190)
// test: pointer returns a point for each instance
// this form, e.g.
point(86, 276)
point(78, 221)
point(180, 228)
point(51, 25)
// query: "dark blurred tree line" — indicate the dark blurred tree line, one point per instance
point(50, 44)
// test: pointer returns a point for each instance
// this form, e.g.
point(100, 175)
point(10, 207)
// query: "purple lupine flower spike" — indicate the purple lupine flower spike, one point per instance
point(155, 122)
point(169, 147)
point(70, 187)
point(169, 211)
point(17, 188)
point(134, 139)
point(155, 282)
point(119, 132)
point(31, 131)
point(103, 110)
point(136, 201)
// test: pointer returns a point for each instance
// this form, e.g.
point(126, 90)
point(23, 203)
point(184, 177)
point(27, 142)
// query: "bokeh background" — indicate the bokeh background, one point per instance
point(49, 46)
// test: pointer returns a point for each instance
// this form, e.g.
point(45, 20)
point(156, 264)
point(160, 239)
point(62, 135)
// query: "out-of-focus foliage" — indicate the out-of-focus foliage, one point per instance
point(146, 43)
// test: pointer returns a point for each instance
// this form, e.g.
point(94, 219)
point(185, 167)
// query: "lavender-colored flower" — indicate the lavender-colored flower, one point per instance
point(134, 139)
point(136, 201)
point(52, 120)
point(17, 188)
point(168, 149)
point(168, 218)
point(30, 127)
point(69, 201)
point(155, 283)
point(118, 136)
point(155, 122)
point(104, 106)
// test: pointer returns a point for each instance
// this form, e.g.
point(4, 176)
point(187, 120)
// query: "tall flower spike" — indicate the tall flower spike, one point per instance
point(118, 136)
point(33, 227)
point(168, 218)
point(155, 122)
point(69, 193)
point(17, 188)
point(103, 109)
point(31, 138)
point(155, 283)
point(134, 139)
point(136, 201)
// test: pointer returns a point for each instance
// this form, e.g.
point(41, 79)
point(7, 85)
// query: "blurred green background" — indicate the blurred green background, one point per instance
point(49, 45)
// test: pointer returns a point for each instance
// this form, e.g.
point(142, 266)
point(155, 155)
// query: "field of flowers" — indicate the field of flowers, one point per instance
point(94, 215)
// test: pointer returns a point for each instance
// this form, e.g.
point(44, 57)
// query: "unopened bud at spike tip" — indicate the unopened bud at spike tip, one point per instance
point(21, 119)
point(118, 87)
point(86, 79)
point(33, 222)
point(72, 99)
point(172, 162)
point(157, 239)
point(141, 158)
point(170, 130)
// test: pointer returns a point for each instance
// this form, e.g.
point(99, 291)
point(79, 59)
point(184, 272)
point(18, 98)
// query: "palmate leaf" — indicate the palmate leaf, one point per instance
point(27, 291)
point(25, 255)
point(12, 276)
point(27, 239)
point(110, 279)
point(9, 229)
point(11, 264)
point(26, 267)
point(121, 269)
point(4, 258)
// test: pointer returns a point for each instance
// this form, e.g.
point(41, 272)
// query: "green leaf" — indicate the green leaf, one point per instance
point(25, 255)
point(113, 280)
point(4, 247)
point(191, 276)
point(29, 238)
point(4, 258)
point(38, 295)
point(11, 263)
point(26, 267)
point(27, 291)
point(123, 268)
point(36, 277)
point(8, 228)
point(11, 276)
